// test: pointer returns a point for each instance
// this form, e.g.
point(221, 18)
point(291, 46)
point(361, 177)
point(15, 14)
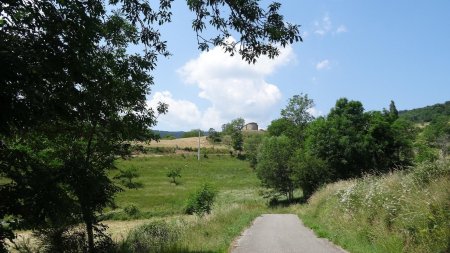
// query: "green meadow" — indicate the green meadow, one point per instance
point(239, 199)
point(158, 196)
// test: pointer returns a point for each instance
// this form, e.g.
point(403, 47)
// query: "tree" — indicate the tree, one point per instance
point(339, 139)
point(437, 134)
point(237, 141)
point(127, 176)
point(233, 126)
point(251, 148)
point(353, 142)
point(72, 96)
point(309, 172)
point(260, 29)
point(213, 136)
point(298, 110)
point(281, 126)
point(427, 113)
point(234, 129)
point(174, 173)
point(393, 112)
point(192, 133)
point(201, 201)
point(273, 167)
point(294, 118)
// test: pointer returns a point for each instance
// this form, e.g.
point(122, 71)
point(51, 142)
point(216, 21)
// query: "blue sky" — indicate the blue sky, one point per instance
point(371, 51)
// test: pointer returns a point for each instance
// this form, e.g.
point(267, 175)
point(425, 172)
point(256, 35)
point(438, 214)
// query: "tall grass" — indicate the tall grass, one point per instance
point(404, 211)
point(233, 211)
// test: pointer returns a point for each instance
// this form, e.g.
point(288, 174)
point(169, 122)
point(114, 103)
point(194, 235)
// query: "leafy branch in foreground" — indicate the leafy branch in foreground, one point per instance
point(72, 96)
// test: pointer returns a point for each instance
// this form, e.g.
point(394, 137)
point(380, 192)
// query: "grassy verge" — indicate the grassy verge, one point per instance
point(405, 211)
point(233, 213)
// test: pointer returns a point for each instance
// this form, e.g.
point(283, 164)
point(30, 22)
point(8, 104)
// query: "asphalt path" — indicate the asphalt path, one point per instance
point(281, 233)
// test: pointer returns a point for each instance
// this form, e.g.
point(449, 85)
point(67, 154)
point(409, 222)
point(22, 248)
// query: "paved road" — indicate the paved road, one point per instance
point(281, 233)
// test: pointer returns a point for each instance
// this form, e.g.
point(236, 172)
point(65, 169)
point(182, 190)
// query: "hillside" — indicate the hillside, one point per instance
point(191, 142)
point(427, 113)
point(403, 211)
point(176, 134)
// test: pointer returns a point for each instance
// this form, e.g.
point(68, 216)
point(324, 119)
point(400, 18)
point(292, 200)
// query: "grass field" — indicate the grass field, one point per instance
point(191, 142)
point(238, 202)
point(158, 196)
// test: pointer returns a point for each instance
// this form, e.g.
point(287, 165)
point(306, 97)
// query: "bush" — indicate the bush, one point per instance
point(426, 172)
point(174, 173)
point(169, 137)
point(188, 149)
point(131, 210)
point(310, 173)
point(251, 145)
point(273, 166)
point(201, 201)
point(157, 236)
point(68, 239)
point(126, 177)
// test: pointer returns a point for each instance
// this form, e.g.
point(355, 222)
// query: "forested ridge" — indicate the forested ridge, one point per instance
point(427, 113)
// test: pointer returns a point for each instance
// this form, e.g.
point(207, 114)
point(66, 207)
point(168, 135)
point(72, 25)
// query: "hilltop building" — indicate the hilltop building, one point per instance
point(252, 126)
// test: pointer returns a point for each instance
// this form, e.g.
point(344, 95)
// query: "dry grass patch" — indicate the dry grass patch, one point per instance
point(191, 142)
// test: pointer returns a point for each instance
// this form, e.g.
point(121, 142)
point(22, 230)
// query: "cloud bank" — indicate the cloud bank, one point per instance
point(232, 87)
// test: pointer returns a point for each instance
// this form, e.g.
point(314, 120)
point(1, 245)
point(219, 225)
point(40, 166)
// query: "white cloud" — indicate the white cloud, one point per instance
point(324, 26)
point(182, 115)
point(325, 64)
point(314, 112)
point(233, 87)
point(341, 29)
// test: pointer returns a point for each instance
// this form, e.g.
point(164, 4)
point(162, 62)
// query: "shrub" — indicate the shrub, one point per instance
point(251, 145)
point(156, 236)
point(126, 177)
point(188, 149)
point(427, 171)
point(169, 137)
point(201, 201)
point(310, 173)
point(131, 210)
point(68, 239)
point(174, 173)
point(273, 166)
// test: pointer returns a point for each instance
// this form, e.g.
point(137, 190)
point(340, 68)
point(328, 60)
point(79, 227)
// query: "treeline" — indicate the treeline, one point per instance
point(427, 114)
point(303, 152)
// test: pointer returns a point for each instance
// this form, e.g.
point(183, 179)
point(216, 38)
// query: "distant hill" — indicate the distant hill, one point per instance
point(427, 113)
point(176, 134)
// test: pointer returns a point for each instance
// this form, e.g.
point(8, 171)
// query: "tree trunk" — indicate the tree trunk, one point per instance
point(90, 234)
point(90, 230)
point(87, 215)
point(290, 195)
